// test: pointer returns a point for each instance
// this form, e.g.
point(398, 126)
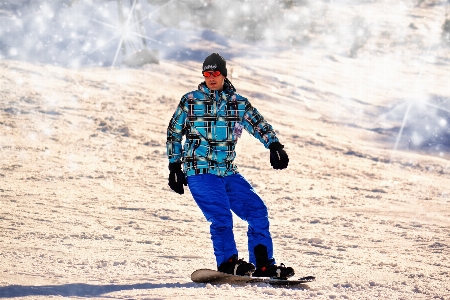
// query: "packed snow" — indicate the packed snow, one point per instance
point(358, 92)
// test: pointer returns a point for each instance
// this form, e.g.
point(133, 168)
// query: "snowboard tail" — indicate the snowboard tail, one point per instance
point(216, 277)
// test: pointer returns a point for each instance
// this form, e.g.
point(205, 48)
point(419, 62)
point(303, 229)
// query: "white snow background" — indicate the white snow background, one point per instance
point(358, 91)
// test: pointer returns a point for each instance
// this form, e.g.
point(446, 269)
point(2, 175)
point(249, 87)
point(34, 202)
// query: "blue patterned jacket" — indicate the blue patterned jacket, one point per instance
point(212, 122)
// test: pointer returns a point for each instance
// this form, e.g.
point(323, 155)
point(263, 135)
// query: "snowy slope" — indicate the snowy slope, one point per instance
point(85, 207)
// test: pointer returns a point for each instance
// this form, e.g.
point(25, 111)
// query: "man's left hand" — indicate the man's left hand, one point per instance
point(278, 157)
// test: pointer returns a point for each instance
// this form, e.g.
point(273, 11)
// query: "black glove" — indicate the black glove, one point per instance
point(176, 178)
point(278, 157)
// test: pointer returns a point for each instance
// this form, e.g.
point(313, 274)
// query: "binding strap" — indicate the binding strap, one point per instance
point(235, 269)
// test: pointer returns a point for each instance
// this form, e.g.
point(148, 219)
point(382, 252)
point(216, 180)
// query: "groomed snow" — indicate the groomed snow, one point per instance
point(85, 207)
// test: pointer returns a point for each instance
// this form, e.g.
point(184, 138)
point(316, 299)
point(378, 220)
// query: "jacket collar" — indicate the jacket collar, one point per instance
point(228, 88)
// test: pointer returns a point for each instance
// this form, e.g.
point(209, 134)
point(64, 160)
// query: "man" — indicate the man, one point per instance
point(212, 119)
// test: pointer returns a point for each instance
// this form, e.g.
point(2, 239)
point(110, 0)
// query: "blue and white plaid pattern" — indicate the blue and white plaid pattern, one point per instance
point(211, 122)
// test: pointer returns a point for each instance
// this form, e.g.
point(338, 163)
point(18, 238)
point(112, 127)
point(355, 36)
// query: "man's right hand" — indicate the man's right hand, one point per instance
point(176, 178)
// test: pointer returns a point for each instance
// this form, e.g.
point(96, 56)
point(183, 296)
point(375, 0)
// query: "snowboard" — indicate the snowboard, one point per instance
point(216, 277)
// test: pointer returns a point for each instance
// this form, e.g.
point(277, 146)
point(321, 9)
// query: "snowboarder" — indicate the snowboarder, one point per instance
point(212, 119)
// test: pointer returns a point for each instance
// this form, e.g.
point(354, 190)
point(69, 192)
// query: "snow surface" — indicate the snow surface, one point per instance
point(357, 90)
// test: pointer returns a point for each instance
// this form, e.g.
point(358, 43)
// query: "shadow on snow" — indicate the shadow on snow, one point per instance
point(81, 289)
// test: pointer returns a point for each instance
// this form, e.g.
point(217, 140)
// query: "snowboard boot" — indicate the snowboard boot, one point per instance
point(274, 271)
point(266, 267)
point(237, 266)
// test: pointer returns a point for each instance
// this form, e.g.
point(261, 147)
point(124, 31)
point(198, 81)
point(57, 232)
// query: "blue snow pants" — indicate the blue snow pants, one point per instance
point(217, 197)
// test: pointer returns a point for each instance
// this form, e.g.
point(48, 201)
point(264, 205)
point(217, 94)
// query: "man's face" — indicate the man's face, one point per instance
point(214, 83)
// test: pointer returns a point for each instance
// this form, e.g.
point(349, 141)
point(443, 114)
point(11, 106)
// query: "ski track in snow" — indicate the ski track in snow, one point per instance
point(86, 211)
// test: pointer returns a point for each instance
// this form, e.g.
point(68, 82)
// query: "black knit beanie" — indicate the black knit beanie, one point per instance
point(215, 62)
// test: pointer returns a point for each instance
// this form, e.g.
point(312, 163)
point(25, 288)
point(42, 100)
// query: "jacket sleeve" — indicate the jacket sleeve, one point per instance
point(175, 132)
point(257, 126)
